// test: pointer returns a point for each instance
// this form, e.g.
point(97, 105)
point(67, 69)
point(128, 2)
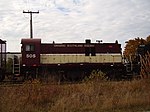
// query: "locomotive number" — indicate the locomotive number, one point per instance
point(30, 55)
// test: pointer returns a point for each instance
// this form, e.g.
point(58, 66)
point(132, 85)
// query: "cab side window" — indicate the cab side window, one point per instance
point(30, 47)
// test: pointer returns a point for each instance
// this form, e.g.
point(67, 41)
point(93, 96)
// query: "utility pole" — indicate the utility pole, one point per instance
point(31, 26)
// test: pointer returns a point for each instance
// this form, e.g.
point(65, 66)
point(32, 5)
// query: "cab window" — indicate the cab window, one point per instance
point(30, 48)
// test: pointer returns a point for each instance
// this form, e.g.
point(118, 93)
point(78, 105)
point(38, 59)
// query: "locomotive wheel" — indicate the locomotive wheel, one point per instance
point(9, 76)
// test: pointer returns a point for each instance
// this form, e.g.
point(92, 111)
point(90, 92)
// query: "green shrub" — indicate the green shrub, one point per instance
point(96, 75)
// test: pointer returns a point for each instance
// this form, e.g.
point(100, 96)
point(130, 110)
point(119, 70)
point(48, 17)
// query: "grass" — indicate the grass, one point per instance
point(93, 96)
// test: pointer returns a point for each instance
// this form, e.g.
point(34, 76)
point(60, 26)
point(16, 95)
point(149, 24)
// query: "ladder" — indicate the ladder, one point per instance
point(16, 66)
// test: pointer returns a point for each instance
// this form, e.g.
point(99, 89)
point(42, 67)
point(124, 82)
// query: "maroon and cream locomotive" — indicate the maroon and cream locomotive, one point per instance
point(72, 60)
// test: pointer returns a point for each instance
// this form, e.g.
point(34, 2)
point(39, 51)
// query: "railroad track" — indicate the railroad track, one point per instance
point(10, 83)
point(21, 83)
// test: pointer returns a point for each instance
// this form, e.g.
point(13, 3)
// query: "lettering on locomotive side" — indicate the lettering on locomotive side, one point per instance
point(59, 45)
point(30, 55)
point(88, 45)
point(73, 45)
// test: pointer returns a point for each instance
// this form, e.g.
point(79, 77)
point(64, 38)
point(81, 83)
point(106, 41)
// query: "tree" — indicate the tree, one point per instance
point(148, 39)
point(145, 66)
point(131, 48)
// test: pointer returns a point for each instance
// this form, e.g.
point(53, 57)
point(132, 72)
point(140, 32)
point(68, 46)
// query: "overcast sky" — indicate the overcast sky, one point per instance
point(74, 20)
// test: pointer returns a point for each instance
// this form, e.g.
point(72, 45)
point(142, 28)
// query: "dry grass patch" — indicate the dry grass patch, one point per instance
point(86, 97)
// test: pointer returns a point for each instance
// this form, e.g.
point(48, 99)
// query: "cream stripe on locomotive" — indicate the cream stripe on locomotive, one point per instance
point(79, 58)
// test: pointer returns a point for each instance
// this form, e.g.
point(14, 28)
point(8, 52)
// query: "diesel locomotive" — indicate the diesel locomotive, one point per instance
point(70, 60)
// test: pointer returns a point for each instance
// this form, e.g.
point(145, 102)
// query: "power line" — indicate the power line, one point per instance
point(31, 26)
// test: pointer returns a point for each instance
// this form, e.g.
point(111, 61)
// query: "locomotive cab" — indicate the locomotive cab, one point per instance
point(30, 55)
point(31, 52)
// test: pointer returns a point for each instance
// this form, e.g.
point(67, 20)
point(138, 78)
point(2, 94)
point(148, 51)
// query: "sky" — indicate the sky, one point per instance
point(74, 21)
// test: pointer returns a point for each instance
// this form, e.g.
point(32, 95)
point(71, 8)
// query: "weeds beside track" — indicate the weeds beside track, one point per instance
point(93, 96)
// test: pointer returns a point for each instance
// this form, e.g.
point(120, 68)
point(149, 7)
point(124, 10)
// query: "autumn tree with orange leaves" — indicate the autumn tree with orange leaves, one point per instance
point(130, 55)
point(148, 39)
point(131, 48)
point(145, 62)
